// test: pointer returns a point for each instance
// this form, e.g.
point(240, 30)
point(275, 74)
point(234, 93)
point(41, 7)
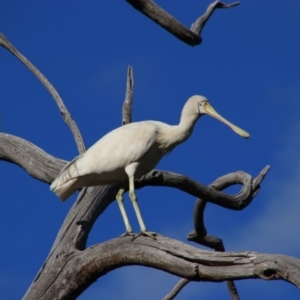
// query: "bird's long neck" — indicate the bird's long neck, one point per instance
point(177, 134)
point(186, 125)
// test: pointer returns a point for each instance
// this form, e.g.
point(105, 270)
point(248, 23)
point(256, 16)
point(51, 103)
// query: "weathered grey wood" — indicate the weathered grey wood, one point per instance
point(190, 36)
point(199, 234)
point(81, 268)
point(127, 105)
point(176, 289)
point(31, 158)
point(50, 88)
point(92, 202)
point(153, 11)
point(199, 24)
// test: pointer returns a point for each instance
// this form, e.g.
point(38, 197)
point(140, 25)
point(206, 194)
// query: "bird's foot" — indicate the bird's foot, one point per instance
point(150, 234)
point(128, 233)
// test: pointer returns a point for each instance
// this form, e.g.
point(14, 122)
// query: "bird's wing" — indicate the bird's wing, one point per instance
point(135, 142)
point(117, 149)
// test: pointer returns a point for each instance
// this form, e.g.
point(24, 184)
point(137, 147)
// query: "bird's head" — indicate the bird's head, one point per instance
point(201, 106)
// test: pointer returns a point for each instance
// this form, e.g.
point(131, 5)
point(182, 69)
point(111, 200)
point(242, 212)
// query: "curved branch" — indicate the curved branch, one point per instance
point(50, 88)
point(199, 235)
point(176, 289)
point(190, 36)
point(20, 152)
point(73, 235)
point(35, 161)
point(150, 9)
point(199, 24)
point(235, 202)
point(81, 268)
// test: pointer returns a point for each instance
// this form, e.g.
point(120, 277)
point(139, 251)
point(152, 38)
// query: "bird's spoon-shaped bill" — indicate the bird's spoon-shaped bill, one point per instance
point(211, 111)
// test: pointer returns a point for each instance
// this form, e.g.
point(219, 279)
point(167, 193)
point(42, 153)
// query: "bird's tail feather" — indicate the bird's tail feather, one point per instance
point(65, 183)
point(65, 190)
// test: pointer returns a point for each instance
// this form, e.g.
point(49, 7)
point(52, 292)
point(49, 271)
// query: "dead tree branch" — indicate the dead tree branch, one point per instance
point(28, 156)
point(190, 36)
point(127, 105)
point(50, 88)
point(199, 24)
point(74, 232)
point(176, 289)
point(81, 268)
point(199, 235)
point(35, 161)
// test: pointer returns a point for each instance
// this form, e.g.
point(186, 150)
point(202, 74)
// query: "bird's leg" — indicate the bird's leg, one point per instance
point(119, 198)
point(133, 199)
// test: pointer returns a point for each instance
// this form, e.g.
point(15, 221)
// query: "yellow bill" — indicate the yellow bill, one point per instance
point(210, 111)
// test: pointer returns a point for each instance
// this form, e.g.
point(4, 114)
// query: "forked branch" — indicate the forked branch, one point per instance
point(190, 36)
point(199, 234)
point(75, 230)
point(81, 268)
point(29, 157)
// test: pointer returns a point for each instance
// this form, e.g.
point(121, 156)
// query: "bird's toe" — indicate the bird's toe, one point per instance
point(128, 233)
point(150, 234)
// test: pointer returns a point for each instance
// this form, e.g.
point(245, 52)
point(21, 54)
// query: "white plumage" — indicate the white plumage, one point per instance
point(130, 151)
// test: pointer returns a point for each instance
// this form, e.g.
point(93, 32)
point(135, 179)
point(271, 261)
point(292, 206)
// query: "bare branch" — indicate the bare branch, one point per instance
point(190, 36)
point(127, 105)
point(50, 88)
point(24, 151)
point(78, 223)
point(235, 202)
point(199, 235)
point(35, 161)
point(77, 270)
point(199, 24)
point(232, 290)
point(176, 289)
point(150, 9)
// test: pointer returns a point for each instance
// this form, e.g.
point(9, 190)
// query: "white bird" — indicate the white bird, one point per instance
point(129, 152)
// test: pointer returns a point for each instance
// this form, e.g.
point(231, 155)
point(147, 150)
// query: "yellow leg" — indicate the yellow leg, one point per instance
point(119, 198)
point(133, 199)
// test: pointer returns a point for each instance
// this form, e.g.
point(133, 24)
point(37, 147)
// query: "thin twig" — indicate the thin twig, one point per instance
point(176, 289)
point(199, 24)
point(232, 290)
point(50, 88)
point(127, 105)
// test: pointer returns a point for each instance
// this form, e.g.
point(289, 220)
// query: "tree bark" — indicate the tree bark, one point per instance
point(77, 270)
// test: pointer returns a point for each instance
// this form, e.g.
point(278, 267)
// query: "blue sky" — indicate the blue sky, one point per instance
point(248, 68)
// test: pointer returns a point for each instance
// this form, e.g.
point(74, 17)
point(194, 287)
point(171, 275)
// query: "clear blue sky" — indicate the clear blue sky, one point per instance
point(247, 66)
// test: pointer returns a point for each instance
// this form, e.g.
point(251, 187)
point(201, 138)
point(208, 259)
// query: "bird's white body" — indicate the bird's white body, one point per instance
point(143, 142)
point(130, 151)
